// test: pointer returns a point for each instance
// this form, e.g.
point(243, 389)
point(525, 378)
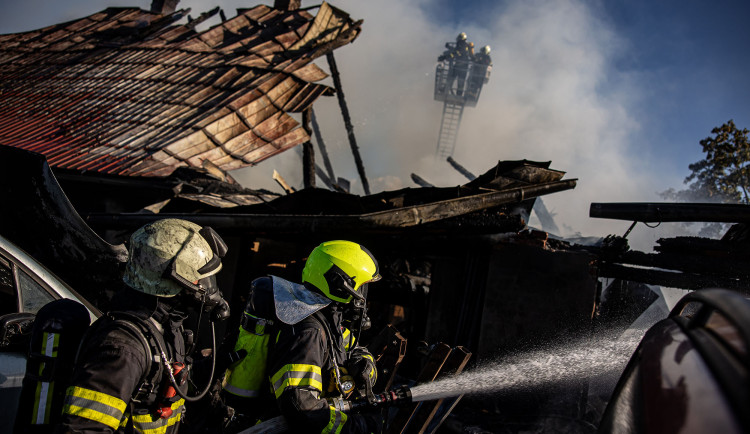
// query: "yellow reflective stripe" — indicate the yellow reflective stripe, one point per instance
point(349, 339)
point(369, 357)
point(93, 405)
point(234, 390)
point(92, 415)
point(44, 390)
point(153, 424)
point(297, 375)
point(335, 422)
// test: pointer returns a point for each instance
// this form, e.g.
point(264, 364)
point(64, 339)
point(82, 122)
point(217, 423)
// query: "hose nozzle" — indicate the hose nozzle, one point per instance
point(399, 396)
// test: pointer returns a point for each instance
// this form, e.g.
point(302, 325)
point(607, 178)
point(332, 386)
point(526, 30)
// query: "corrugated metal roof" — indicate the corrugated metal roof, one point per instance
point(126, 91)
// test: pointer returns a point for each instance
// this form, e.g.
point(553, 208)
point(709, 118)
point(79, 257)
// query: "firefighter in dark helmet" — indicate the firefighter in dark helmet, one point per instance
point(132, 363)
point(312, 357)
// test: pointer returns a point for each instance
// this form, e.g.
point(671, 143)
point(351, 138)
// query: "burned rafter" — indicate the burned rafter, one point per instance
point(420, 181)
point(405, 217)
point(348, 122)
point(322, 146)
point(461, 169)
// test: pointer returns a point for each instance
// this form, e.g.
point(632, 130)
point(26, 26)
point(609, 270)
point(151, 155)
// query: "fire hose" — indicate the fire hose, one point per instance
point(400, 396)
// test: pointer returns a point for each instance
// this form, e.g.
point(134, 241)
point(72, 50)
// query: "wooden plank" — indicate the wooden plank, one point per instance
point(455, 364)
point(429, 372)
point(388, 348)
point(282, 182)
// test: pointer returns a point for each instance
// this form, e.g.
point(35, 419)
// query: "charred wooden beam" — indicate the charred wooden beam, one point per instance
point(672, 279)
point(725, 265)
point(348, 122)
point(461, 169)
point(321, 145)
point(699, 245)
point(410, 216)
point(420, 181)
point(671, 212)
point(326, 180)
point(308, 154)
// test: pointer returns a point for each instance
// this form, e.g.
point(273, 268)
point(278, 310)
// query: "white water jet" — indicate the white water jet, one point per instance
point(557, 363)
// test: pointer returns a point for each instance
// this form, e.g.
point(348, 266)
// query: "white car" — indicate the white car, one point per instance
point(25, 286)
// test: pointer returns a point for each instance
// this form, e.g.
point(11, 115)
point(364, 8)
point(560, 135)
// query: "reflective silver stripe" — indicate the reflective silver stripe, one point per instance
point(241, 392)
point(93, 405)
point(296, 374)
point(41, 413)
point(142, 423)
point(335, 422)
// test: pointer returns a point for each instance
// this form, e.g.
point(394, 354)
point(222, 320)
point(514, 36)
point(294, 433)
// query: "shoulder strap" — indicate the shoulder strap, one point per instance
point(145, 332)
point(318, 316)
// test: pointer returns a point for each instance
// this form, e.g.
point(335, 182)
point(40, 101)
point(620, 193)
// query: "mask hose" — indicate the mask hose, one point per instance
point(172, 380)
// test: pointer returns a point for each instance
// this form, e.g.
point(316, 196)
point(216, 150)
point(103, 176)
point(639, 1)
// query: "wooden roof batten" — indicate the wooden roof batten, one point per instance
point(128, 92)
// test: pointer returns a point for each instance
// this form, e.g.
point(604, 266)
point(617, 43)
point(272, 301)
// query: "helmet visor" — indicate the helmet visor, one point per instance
point(218, 248)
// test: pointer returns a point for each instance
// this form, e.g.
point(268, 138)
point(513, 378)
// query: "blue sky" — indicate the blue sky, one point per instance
point(617, 93)
point(691, 57)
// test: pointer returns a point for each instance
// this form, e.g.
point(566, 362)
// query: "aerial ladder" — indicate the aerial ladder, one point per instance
point(458, 83)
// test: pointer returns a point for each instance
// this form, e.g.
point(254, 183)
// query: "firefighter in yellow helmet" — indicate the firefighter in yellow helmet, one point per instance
point(311, 357)
point(480, 72)
point(459, 56)
point(120, 382)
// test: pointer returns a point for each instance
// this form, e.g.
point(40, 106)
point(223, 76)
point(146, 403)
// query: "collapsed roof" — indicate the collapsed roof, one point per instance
point(130, 92)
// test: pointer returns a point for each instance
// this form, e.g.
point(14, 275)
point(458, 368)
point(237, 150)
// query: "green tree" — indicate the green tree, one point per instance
point(724, 174)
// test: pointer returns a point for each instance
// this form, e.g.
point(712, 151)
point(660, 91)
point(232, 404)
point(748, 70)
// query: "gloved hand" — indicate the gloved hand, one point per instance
point(361, 366)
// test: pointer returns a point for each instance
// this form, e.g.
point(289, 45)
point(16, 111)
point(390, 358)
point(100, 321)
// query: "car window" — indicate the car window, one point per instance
point(33, 295)
point(8, 298)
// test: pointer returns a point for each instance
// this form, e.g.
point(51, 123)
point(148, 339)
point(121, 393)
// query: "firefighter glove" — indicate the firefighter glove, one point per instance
point(361, 366)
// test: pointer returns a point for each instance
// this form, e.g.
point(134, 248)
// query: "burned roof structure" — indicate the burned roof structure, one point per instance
point(131, 92)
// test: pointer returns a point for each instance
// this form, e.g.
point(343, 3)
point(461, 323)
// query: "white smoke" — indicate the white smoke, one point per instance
point(554, 95)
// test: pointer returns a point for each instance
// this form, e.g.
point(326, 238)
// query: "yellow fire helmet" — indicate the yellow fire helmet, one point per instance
point(170, 255)
point(341, 270)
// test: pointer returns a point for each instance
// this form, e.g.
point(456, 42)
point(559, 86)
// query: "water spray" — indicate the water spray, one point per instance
point(570, 361)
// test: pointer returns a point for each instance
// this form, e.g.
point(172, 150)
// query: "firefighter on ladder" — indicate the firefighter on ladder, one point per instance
point(480, 72)
point(459, 57)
